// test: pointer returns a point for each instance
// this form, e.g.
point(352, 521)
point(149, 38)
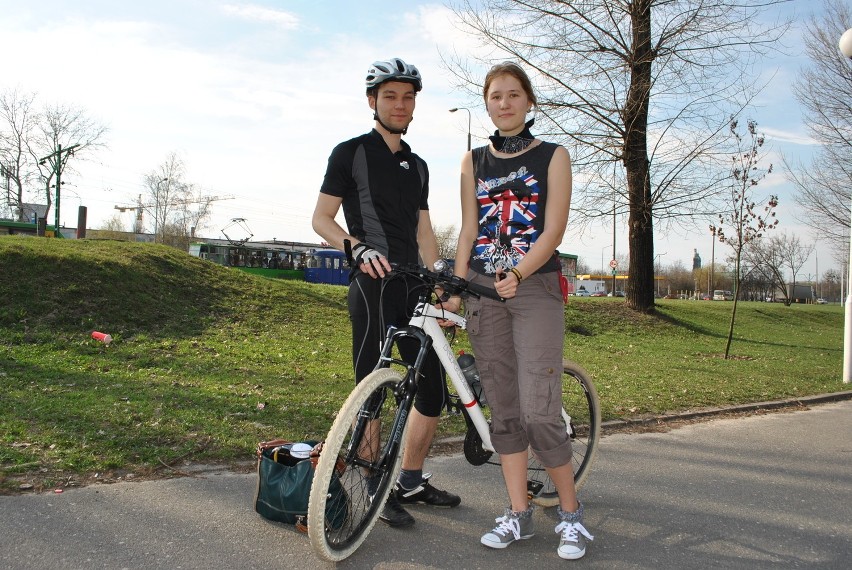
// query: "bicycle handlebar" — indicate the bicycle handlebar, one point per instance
point(453, 284)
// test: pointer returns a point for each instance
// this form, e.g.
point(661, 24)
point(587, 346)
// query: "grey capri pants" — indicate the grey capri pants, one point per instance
point(518, 347)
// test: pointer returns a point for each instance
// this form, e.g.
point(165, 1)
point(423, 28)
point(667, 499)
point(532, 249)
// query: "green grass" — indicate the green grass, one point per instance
point(207, 361)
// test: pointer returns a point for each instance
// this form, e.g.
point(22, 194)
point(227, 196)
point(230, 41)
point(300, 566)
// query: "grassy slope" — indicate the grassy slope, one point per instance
point(206, 360)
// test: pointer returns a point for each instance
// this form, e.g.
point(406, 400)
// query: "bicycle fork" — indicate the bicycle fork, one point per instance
point(360, 450)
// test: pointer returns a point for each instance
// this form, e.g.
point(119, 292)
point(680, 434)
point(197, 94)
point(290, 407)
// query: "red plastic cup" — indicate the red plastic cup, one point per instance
point(103, 337)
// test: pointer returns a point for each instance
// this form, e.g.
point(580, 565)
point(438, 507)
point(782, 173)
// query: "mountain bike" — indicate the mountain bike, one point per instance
point(363, 450)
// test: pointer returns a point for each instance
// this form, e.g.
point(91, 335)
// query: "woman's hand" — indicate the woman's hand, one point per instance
point(506, 284)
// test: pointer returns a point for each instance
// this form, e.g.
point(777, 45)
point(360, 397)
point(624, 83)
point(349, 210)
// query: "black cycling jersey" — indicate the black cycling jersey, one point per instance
point(382, 192)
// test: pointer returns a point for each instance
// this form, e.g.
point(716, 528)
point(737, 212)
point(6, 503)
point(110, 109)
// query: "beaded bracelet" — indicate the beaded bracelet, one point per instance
point(517, 274)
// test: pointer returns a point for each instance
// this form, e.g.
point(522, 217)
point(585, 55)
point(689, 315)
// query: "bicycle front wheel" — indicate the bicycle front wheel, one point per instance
point(355, 472)
point(581, 410)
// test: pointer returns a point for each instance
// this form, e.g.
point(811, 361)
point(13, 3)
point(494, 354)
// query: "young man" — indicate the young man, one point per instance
point(384, 189)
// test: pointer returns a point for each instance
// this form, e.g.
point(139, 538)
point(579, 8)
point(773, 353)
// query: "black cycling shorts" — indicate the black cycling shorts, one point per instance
point(374, 305)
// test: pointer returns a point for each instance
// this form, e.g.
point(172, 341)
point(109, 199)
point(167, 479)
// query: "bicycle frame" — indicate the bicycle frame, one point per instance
point(424, 326)
point(364, 446)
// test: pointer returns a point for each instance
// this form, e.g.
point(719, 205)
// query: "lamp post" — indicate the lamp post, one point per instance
point(157, 209)
point(453, 110)
point(613, 241)
point(845, 46)
point(656, 257)
point(711, 276)
point(603, 265)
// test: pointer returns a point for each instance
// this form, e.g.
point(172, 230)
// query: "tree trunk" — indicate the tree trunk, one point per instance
point(640, 284)
point(737, 282)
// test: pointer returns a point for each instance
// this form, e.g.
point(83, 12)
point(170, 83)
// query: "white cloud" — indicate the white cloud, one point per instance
point(253, 111)
point(785, 136)
point(254, 13)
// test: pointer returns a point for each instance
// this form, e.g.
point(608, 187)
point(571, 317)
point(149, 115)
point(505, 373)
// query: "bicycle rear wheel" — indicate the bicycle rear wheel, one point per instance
point(352, 481)
point(582, 413)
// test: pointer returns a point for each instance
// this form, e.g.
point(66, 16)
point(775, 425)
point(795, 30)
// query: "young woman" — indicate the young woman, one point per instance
point(515, 195)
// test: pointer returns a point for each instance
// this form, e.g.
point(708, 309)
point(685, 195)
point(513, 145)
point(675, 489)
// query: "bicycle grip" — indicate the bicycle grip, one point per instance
point(483, 291)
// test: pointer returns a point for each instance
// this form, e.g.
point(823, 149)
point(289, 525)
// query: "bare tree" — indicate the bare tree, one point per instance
point(634, 89)
point(63, 131)
point(17, 125)
point(779, 254)
point(165, 186)
point(825, 185)
point(447, 237)
point(830, 285)
point(177, 207)
point(741, 224)
point(114, 228)
point(36, 143)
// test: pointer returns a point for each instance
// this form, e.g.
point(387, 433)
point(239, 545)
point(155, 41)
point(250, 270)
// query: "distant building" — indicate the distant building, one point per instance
point(32, 212)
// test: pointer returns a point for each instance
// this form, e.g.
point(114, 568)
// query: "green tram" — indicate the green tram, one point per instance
point(314, 265)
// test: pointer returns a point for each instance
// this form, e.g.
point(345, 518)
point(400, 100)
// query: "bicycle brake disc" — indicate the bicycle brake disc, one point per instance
point(473, 450)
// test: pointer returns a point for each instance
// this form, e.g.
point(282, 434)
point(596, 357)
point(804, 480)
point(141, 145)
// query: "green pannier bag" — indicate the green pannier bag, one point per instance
point(284, 486)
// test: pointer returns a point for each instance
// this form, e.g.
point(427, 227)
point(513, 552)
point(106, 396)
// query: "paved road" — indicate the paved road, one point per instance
point(765, 491)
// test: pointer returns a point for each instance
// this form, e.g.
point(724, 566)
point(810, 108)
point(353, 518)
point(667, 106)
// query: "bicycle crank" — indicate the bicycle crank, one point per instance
point(474, 452)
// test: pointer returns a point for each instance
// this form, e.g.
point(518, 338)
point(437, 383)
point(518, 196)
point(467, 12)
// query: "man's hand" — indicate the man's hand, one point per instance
point(370, 261)
point(449, 305)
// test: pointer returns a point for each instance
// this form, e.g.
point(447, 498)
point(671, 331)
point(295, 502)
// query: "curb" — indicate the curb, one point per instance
point(705, 412)
point(615, 425)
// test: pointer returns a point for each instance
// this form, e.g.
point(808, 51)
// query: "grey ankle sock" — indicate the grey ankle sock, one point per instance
point(410, 478)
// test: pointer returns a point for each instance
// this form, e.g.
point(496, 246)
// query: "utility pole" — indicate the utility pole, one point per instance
point(7, 174)
point(57, 160)
point(613, 241)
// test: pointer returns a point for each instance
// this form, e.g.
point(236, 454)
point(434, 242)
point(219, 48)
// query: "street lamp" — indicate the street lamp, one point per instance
point(656, 257)
point(845, 46)
point(603, 267)
point(157, 208)
point(453, 110)
point(711, 275)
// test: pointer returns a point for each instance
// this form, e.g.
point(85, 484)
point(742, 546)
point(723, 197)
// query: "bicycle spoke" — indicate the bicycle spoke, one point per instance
point(357, 468)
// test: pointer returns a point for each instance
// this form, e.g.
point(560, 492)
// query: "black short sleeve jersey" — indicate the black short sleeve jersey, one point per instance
point(382, 193)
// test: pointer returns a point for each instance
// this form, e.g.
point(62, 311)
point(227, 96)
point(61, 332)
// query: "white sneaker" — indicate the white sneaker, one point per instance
point(510, 527)
point(572, 543)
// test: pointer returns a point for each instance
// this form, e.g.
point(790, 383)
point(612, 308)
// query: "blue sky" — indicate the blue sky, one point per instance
point(253, 96)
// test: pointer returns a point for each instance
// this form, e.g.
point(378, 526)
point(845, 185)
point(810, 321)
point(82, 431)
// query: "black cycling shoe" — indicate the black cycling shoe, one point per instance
point(393, 514)
point(425, 494)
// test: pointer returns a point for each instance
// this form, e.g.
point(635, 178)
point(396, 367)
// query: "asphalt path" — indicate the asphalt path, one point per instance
point(764, 491)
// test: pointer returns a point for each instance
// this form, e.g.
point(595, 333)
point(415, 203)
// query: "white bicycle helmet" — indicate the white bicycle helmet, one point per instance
point(393, 69)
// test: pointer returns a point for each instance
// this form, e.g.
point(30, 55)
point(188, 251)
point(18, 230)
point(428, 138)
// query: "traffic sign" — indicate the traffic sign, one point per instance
point(614, 263)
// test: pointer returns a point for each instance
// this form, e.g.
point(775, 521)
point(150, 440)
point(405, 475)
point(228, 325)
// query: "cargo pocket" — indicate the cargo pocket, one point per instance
point(472, 309)
point(547, 391)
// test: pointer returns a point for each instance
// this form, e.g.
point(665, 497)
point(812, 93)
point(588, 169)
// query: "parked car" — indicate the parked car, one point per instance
point(821, 301)
point(598, 294)
point(582, 293)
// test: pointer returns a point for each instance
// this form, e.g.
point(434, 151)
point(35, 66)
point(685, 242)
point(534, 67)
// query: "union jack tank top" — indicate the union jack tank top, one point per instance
point(512, 196)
